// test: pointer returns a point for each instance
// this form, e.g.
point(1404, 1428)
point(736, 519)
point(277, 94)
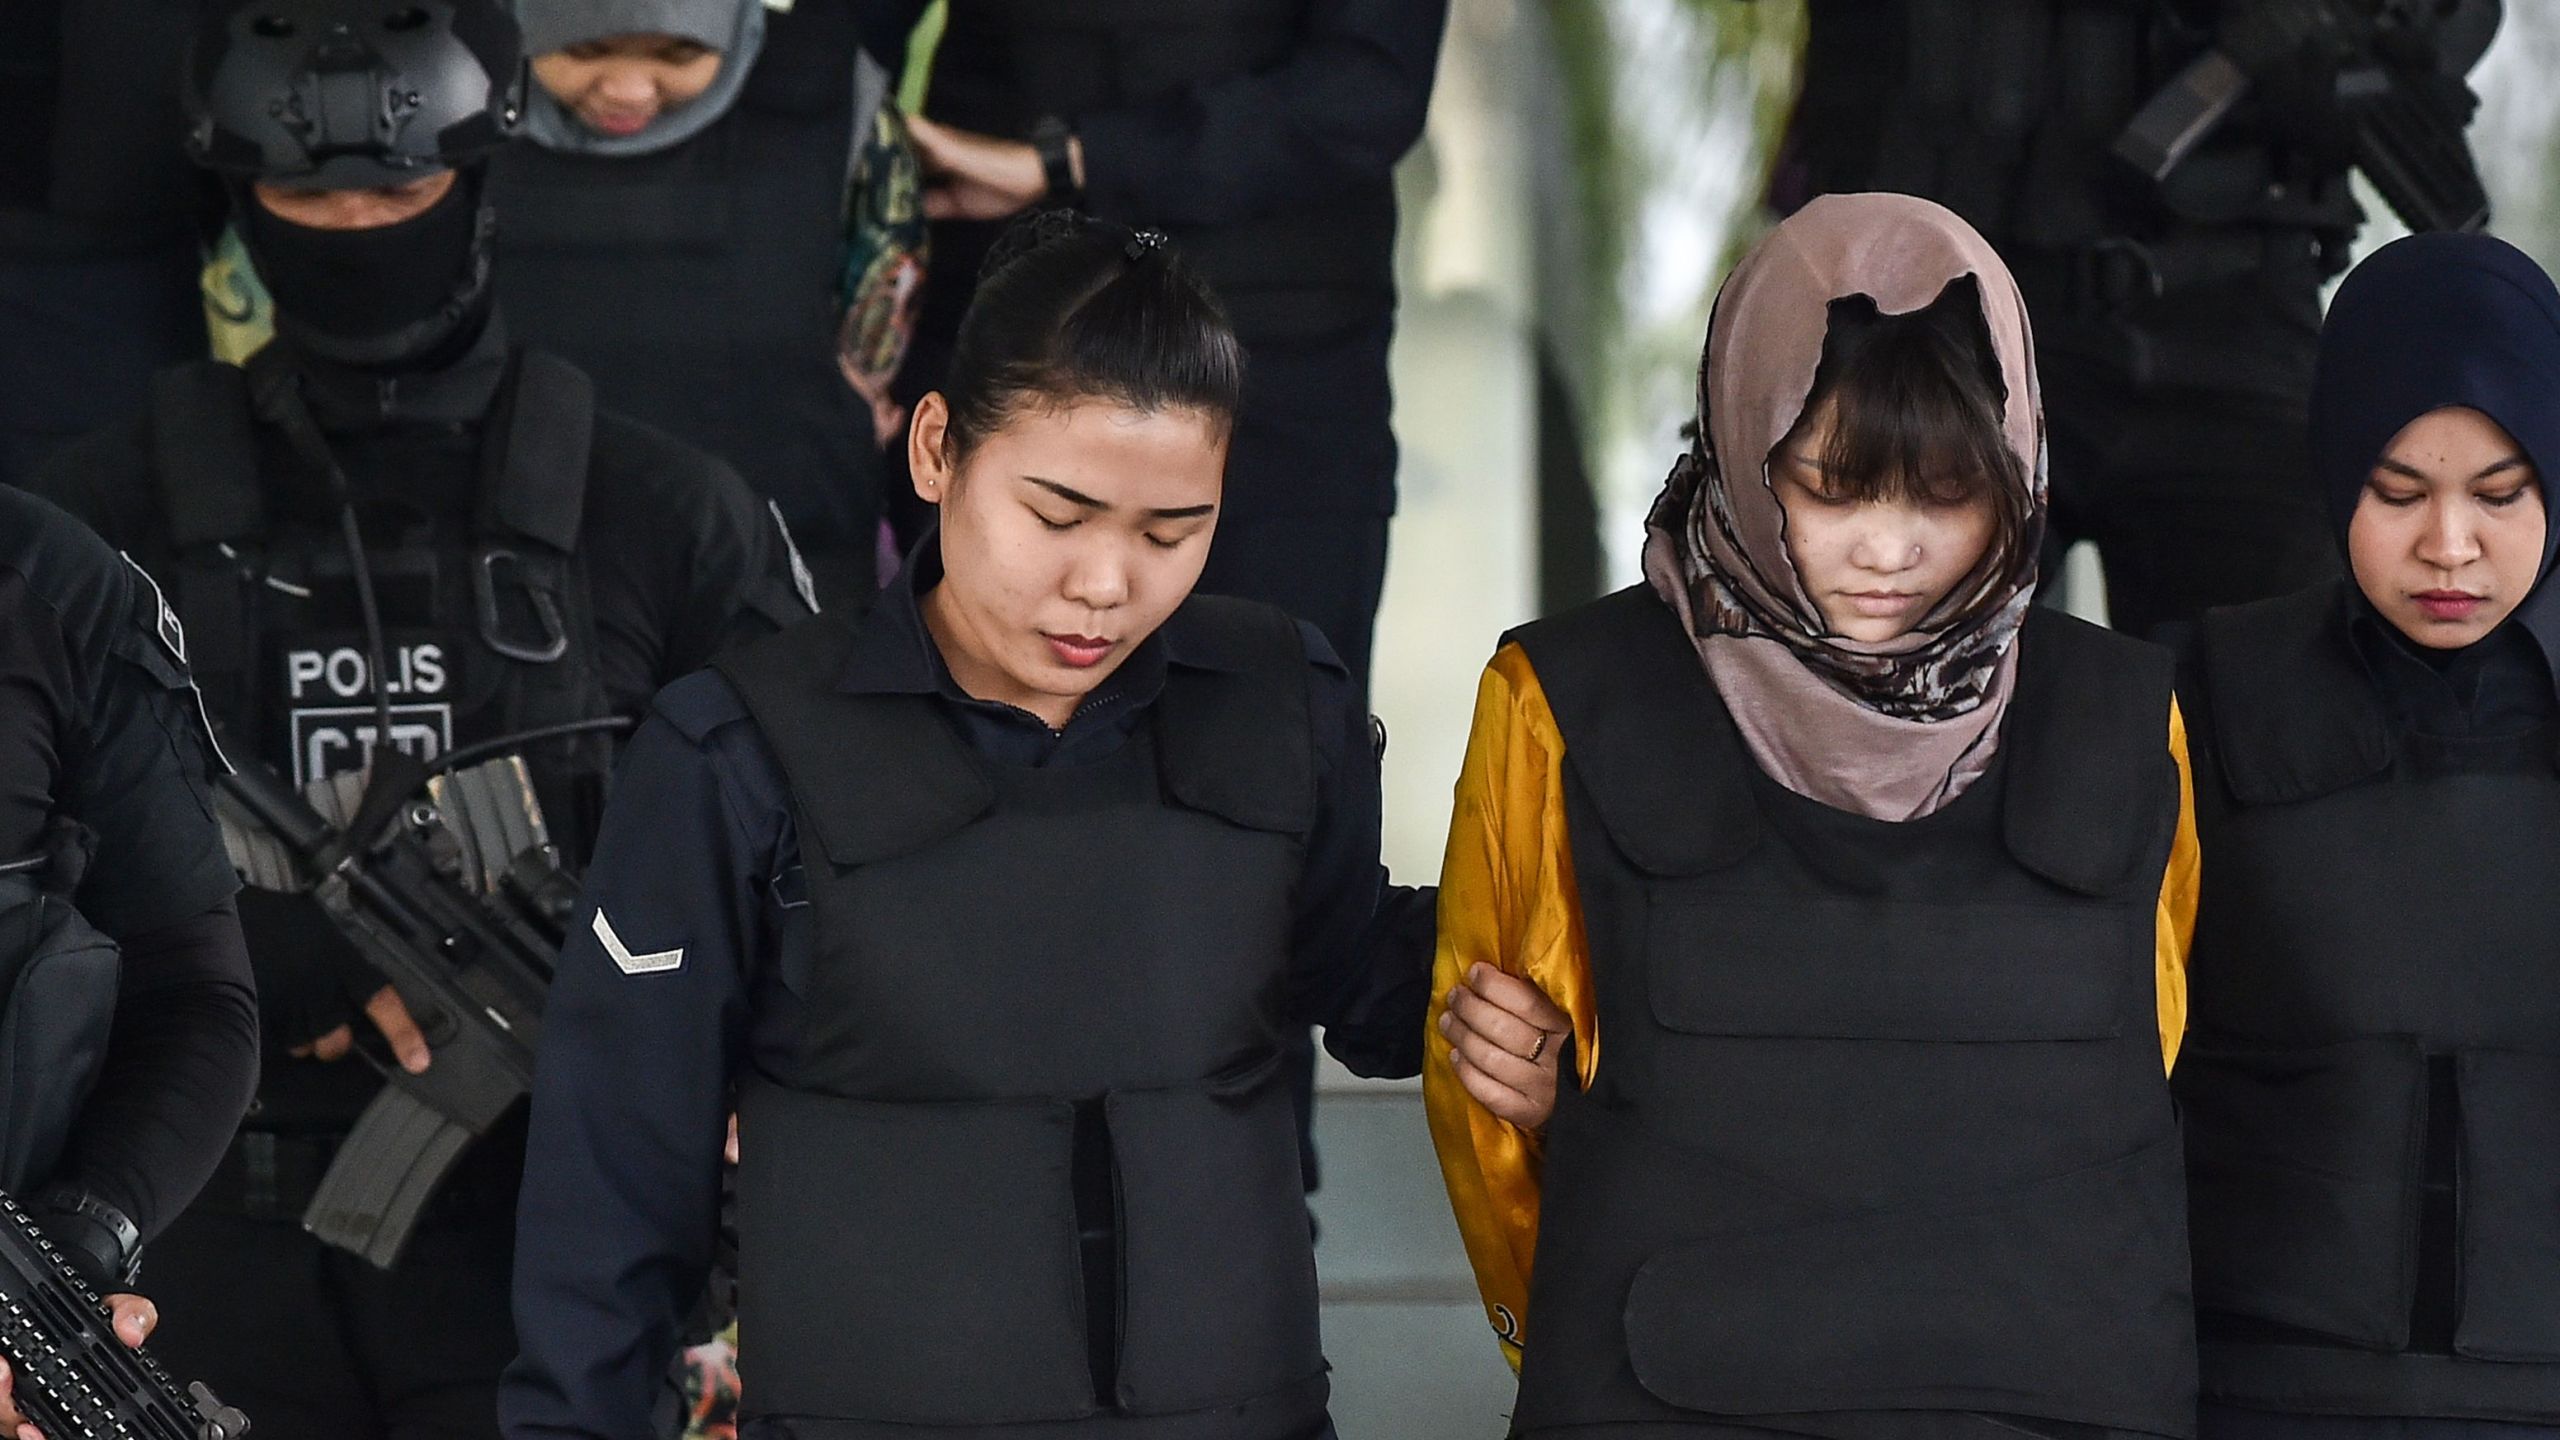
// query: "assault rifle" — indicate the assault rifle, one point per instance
point(455, 897)
point(2399, 94)
point(73, 1379)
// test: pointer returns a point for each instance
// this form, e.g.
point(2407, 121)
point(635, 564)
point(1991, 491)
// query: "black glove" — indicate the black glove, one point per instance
point(310, 980)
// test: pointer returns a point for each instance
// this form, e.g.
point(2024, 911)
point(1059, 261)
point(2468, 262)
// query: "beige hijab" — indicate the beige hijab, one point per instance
point(1893, 730)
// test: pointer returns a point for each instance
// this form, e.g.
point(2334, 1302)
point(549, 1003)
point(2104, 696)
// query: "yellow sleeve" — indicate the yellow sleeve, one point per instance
point(2178, 885)
point(1507, 899)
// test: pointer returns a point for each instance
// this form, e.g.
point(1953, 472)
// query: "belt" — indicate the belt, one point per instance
point(2119, 274)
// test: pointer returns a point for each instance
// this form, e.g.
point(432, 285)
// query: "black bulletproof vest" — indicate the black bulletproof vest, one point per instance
point(1880, 1124)
point(1013, 965)
point(1299, 274)
point(2006, 111)
point(700, 285)
point(488, 625)
point(2380, 917)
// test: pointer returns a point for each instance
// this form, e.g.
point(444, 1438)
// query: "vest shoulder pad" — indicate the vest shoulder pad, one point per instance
point(1628, 692)
point(1236, 724)
point(550, 428)
point(873, 776)
point(2292, 714)
point(699, 704)
point(204, 453)
point(2092, 791)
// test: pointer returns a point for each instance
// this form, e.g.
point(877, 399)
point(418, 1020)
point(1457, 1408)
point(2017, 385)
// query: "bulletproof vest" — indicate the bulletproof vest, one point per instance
point(1021, 973)
point(699, 285)
point(489, 629)
point(1879, 1126)
point(2379, 934)
point(2006, 112)
point(1299, 274)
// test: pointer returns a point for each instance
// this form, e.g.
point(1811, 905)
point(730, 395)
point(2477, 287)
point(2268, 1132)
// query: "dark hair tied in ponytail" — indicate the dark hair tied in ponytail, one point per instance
point(1070, 308)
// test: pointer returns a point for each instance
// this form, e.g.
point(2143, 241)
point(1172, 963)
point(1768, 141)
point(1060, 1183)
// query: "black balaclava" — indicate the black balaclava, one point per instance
point(2429, 322)
point(398, 297)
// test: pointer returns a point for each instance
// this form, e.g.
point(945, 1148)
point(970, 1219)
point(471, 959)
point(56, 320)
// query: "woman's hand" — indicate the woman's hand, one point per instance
point(1506, 1040)
point(135, 1319)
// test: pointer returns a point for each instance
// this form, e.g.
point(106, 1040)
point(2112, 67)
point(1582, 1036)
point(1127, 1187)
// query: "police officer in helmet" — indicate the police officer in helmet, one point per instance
point(391, 512)
point(127, 1024)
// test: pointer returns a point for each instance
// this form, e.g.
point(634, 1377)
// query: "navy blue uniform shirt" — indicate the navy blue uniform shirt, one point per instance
point(697, 881)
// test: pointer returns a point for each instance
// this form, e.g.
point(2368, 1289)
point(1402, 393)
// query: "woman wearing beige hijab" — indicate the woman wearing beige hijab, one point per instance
point(1875, 879)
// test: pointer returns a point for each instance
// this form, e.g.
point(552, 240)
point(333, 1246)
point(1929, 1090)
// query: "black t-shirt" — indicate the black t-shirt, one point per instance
point(99, 724)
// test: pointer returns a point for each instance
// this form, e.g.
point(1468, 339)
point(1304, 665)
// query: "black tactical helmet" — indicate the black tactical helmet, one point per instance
point(346, 94)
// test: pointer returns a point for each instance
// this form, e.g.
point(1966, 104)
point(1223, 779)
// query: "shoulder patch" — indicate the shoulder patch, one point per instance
point(164, 623)
point(652, 963)
point(801, 579)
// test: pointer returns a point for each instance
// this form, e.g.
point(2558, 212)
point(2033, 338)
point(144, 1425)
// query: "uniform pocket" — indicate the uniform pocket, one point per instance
point(909, 1263)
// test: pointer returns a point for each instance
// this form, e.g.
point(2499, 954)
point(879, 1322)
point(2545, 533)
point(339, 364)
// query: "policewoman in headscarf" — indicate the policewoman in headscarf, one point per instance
point(2372, 1095)
point(716, 217)
point(1859, 887)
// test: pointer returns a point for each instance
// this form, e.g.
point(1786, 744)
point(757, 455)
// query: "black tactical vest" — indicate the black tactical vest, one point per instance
point(2380, 921)
point(1013, 968)
point(488, 625)
point(1880, 1126)
point(1297, 275)
point(700, 286)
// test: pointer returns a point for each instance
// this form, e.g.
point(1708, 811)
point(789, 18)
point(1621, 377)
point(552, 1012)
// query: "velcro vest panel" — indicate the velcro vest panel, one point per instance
point(489, 623)
point(1293, 275)
point(1000, 951)
point(2372, 900)
point(700, 285)
point(1881, 1124)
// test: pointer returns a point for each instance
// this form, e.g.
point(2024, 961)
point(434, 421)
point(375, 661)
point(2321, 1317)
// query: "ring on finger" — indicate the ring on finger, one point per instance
point(1538, 1049)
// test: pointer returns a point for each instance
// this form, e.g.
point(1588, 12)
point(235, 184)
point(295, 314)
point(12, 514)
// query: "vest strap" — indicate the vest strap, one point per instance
point(534, 481)
point(2313, 724)
point(2066, 814)
point(204, 455)
point(1662, 760)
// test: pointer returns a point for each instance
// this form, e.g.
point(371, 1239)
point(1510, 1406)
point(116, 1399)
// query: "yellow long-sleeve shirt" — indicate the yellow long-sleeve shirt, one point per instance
point(1508, 899)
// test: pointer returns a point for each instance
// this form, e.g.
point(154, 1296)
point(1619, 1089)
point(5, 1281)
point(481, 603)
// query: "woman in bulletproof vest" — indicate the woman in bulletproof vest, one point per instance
point(716, 217)
point(2372, 1091)
point(987, 912)
point(1859, 888)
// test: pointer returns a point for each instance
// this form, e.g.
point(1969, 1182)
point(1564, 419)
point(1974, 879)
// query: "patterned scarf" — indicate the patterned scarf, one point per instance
point(1893, 730)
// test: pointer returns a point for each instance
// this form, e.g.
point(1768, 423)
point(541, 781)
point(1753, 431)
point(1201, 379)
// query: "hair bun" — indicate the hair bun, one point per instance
point(1030, 235)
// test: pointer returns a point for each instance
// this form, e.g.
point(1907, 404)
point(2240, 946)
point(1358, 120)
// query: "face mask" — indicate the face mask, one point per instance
point(376, 285)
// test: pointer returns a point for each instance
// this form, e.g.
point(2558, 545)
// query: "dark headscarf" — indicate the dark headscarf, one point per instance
point(2435, 321)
